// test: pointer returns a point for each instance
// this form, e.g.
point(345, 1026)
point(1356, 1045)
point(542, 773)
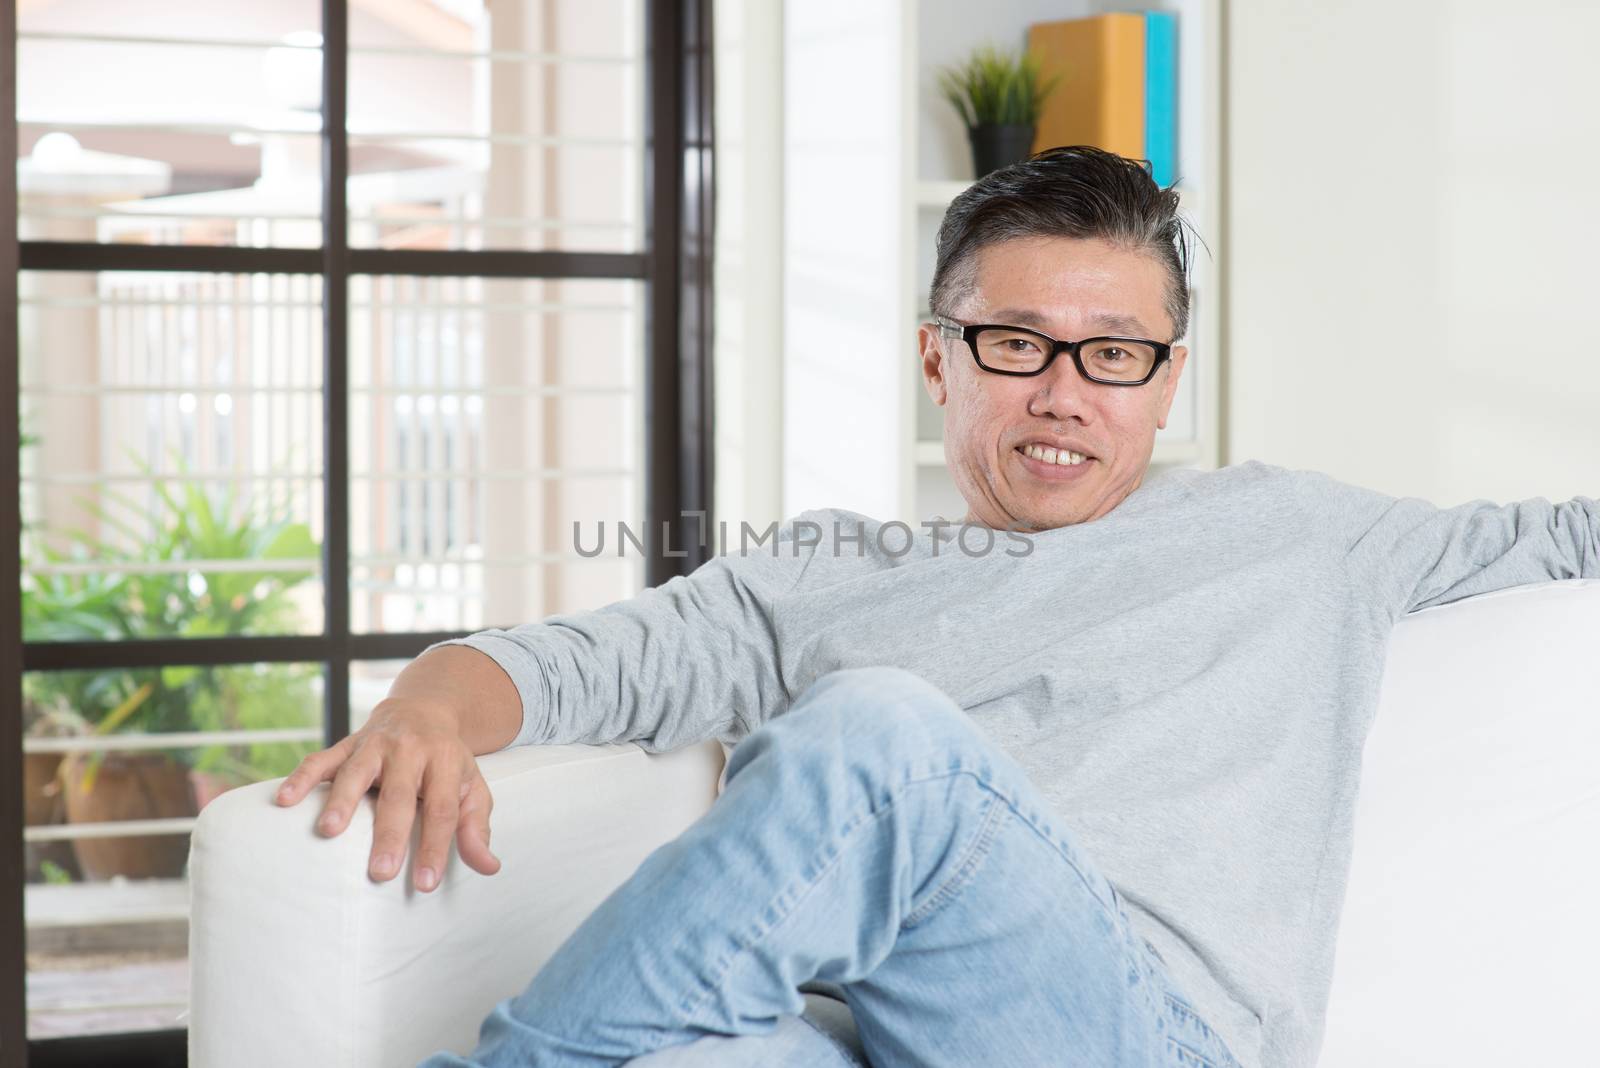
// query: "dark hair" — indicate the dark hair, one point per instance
point(1073, 191)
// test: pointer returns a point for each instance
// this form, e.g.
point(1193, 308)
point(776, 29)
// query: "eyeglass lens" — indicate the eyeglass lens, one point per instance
point(1021, 350)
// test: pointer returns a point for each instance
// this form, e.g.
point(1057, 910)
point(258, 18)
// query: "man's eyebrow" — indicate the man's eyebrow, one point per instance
point(1126, 324)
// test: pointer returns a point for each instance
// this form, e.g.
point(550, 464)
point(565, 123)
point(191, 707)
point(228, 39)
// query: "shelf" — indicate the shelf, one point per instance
point(931, 453)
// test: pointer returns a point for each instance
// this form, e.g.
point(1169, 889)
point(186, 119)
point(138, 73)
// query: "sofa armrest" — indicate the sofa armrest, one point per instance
point(297, 957)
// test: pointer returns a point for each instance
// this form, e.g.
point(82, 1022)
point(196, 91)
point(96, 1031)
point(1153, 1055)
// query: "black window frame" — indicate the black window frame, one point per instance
point(674, 265)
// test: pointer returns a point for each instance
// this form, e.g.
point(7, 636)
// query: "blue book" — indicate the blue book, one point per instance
point(1161, 95)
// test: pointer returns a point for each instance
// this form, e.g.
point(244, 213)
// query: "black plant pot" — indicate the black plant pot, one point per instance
point(995, 146)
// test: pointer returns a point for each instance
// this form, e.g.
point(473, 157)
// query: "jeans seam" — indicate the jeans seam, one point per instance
point(1173, 1001)
point(688, 1009)
point(1192, 1052)
point(1049, 840)
point(968, 867)
point(1183, 1007)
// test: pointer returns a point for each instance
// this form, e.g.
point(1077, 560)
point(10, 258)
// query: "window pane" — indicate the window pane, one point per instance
point(116, 765)
point(520, 130)
point(210, 137)
point(369, 683)
point(486, 417)
point(172, 459)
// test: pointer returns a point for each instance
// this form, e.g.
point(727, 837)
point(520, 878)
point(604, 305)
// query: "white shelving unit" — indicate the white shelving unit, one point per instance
point(872, 157)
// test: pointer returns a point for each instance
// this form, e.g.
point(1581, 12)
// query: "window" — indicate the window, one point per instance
point(330, 322)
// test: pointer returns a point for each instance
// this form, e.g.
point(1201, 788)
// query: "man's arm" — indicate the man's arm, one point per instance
point(691, 659)
point(694, 658)
point(1416, 555)
point(472, 687)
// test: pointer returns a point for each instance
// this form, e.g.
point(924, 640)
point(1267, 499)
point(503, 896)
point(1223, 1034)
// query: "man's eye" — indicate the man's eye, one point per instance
point(1020, 345)
point(1110, 354)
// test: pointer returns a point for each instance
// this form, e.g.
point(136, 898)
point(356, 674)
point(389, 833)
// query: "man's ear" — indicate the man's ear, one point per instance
point(1180, 356)
point(933, 379)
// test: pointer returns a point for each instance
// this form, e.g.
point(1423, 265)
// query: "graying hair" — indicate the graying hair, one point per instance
point(1074, 191)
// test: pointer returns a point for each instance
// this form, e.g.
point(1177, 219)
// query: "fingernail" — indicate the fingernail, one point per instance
point(426, 878)
point(383, 866)
point(329, 822)
point(283, 792)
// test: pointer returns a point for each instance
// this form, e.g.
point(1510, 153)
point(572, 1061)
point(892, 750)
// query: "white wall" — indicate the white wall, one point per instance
point(1412, 242)
point(845, 337)
point(748, 316)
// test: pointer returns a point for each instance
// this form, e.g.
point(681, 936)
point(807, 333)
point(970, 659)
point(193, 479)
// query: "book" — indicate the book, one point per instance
point(1117, 88)
point(1161, 95)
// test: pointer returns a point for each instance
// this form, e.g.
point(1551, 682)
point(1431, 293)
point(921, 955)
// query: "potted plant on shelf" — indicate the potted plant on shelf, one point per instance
point(116, 601)
point(999, 97)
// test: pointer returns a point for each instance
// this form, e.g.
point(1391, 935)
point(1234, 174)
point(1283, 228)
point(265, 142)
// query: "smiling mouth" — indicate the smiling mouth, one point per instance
point(1046, 455)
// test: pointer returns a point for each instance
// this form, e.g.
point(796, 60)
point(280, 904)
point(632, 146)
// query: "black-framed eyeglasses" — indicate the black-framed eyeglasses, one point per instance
point(1016, 350)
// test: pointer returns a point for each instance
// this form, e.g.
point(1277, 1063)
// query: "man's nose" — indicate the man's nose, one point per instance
point(1061, 392)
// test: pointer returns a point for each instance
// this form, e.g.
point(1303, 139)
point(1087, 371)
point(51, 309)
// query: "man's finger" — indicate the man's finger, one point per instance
point(315, 768)
point(441, 801)
point(472, 832)
point(397, 808)
point(350, 784)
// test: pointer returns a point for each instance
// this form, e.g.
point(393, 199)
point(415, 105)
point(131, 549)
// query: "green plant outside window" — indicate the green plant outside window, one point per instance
point(117, 603)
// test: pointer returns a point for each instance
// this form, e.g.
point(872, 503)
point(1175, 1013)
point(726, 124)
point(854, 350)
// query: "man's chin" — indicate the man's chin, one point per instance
point(1049, 511)
point(1050, 518)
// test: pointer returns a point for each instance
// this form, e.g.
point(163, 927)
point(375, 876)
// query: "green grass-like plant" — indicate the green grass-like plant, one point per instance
point(117, 602)
point(996, 87)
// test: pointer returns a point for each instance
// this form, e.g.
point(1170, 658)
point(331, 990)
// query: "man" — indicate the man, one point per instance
point(1088, 803)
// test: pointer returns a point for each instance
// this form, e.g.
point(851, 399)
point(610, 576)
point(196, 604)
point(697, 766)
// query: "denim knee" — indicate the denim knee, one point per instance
point(880, 716)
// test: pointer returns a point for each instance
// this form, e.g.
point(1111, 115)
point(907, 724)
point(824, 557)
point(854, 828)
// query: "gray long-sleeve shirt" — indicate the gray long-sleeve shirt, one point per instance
point(1188, 680)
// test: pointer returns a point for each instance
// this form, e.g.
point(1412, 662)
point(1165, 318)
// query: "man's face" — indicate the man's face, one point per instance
point(1069, 288)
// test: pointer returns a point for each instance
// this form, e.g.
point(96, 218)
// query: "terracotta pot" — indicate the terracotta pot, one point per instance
point(41, 795)
point(43, 805)
point(129, 786)
point(208, 786)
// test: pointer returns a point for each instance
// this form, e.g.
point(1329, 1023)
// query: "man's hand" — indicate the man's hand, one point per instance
point(413, 751)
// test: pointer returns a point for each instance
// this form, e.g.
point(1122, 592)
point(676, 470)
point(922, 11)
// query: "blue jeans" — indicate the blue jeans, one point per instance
point(873, 841)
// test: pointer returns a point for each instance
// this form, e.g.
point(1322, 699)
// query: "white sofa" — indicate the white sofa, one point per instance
point(1468, 939)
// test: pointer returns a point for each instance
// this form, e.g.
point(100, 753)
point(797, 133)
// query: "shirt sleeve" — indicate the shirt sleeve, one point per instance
point(693, 658)
point(1416, 555)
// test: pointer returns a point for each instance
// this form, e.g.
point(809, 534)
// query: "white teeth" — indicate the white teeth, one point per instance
point(1053, 456)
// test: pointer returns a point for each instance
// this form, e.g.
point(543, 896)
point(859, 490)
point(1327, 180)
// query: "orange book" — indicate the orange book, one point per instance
point(1099, 99)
